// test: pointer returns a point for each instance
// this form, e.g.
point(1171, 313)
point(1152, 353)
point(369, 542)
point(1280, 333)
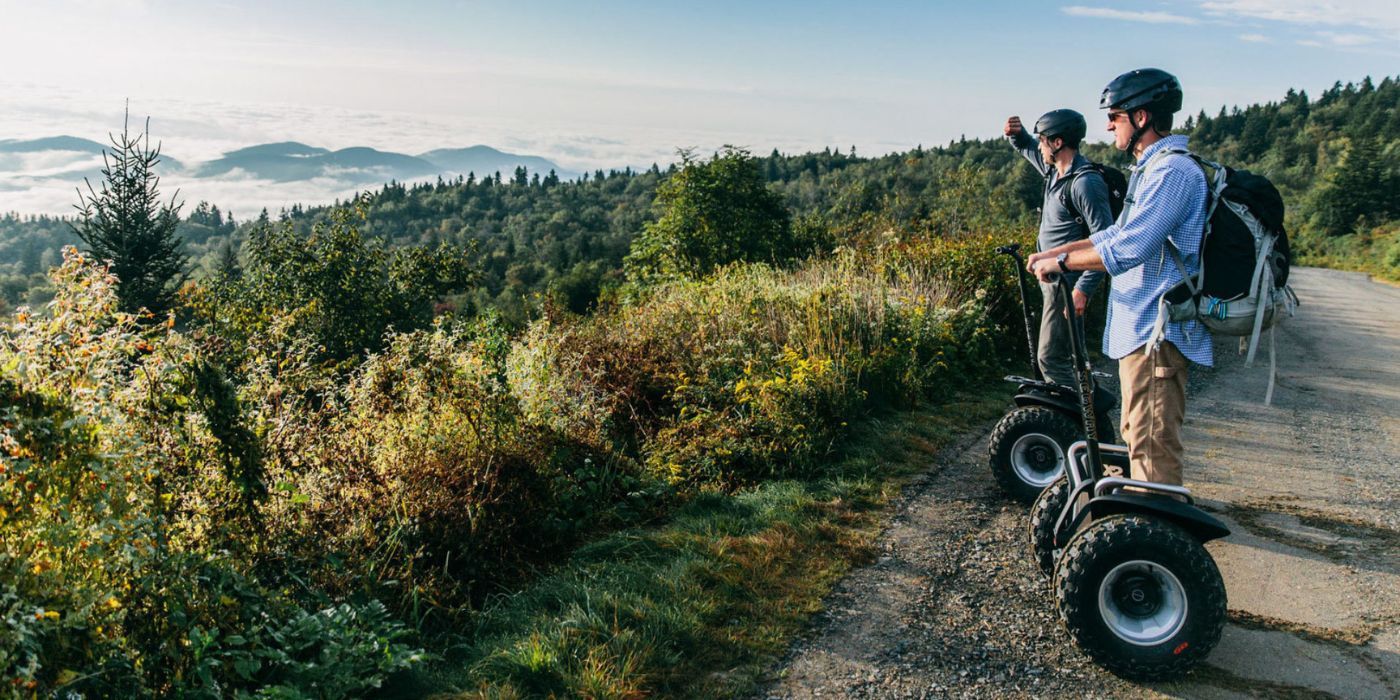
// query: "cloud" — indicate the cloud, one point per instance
point(1371, 19)
point(1347, 39)
point(1384, 14)
point(1128, 15)
point(1256, 38)
point(49, 163)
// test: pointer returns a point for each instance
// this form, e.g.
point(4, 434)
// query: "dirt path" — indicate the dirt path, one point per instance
point(1309, 485)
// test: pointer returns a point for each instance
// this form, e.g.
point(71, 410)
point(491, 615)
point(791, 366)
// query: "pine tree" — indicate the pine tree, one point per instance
point(125, 224)
point(228, 266)
point(1357, 187)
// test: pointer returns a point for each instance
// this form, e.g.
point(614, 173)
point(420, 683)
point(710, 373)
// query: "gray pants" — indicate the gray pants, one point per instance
point(1053, 354)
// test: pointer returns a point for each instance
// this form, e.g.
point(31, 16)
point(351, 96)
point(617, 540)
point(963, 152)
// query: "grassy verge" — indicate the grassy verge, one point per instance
point(700, 606)
point(1374, 250)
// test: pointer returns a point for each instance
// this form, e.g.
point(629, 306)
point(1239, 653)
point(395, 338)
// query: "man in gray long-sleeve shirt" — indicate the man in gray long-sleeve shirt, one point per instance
point(1055, 155)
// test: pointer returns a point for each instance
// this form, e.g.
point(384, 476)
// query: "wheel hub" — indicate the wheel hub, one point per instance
point(1138, 595)
point(1142, 602)
point(1041, 457)
point(1037, 459)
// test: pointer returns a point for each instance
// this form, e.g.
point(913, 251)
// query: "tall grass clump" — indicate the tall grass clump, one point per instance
point(754, 372)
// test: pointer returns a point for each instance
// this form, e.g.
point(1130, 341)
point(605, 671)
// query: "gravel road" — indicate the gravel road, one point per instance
point(1310, 486)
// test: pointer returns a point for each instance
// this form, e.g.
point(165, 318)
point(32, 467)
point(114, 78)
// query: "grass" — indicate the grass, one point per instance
point(701, 606)
point(1373, 250)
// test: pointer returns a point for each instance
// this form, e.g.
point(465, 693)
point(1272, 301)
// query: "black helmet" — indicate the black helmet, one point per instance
point(1152, 89)
point(1063, 123)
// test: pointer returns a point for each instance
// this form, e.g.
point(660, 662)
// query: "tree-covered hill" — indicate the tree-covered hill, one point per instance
point(1334, 157)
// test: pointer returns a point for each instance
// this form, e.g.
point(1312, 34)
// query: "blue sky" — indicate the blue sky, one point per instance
point(608, 84)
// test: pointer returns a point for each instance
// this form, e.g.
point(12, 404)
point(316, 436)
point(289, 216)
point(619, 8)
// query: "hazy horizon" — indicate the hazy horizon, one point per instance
point(625, 84)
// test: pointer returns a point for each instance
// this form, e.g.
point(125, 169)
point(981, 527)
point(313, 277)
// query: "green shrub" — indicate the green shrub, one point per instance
point(416, 481)
point(754, 372)
point(338, 288)
point(130, 486)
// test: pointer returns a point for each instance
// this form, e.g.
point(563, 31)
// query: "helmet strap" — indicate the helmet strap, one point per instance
point(1138, 131)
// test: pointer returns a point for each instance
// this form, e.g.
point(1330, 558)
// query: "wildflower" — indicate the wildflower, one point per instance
point(113, 603)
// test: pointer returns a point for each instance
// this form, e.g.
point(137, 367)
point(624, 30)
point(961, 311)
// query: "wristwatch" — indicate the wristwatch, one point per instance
point(1061, 260)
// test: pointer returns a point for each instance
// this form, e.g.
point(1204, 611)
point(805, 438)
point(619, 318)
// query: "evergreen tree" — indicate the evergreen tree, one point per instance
point(1357, 187)
point(228, 266)
point(125, 223)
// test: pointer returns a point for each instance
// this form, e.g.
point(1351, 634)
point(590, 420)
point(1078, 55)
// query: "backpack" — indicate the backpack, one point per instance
point(1242, 287)
point(1113, 177)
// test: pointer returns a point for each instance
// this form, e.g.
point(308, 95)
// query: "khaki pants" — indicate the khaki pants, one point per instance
point(1154, 407)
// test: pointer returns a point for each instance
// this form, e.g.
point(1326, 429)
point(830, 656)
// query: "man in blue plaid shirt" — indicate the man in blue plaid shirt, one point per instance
point(1166, 200)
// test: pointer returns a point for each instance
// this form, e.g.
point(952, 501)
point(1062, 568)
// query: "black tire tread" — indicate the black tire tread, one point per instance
point(1041, 528)
point(1112, 532)
point(1019, 422)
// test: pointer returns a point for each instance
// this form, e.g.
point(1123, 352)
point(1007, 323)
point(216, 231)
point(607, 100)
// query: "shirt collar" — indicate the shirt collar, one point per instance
point(1172, 141)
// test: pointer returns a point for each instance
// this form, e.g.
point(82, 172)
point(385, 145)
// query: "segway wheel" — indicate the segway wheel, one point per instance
point(1044, 513)
point(1140, 596)
point(1027, 450)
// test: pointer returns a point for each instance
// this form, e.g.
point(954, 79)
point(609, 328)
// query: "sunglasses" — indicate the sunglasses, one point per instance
point(1115, 116)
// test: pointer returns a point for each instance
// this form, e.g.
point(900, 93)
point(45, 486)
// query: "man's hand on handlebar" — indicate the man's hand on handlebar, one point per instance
point(1045, 269)
point(1033, 258)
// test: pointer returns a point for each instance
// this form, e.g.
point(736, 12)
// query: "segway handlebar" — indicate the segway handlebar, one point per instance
point(1014, 250)
point(1082, 370)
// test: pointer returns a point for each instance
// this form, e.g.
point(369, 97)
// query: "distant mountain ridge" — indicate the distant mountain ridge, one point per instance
point(484, 160)
point(292, 161)
point(51, 143)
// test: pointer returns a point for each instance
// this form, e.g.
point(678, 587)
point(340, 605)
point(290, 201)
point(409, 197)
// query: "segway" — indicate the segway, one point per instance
point(1026, 452)
point(1136, 588)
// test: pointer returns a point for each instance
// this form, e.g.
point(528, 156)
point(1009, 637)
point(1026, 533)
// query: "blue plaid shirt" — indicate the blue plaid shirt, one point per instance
point(1167, 200)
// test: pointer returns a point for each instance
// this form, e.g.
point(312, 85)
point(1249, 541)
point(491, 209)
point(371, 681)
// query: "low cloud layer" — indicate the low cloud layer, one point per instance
point(195, 132)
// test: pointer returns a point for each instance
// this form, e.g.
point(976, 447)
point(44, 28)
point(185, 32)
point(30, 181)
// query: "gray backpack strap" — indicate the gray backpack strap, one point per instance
point(1137, 178)
point(1262, 287)
point(1191, 283)
point(1159, 327)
